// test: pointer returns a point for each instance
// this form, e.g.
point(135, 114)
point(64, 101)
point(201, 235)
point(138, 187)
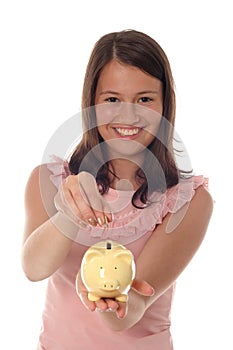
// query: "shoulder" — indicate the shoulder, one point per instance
point(40, 191)
point(202, 200)
point(39, 179)
point(194, 216)
point(38, 199)
point(35, 174)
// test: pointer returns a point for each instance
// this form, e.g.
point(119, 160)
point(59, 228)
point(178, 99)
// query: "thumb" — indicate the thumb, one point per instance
point(142, 287)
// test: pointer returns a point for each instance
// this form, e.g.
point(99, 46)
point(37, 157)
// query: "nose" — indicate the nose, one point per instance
point(128, 114)
point(120, 113)
point(110, 285)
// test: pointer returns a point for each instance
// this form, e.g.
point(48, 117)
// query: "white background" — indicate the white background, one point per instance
point(45, 46)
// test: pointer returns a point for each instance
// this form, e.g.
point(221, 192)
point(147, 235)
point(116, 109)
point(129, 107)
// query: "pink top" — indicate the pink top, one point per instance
point(67, 324)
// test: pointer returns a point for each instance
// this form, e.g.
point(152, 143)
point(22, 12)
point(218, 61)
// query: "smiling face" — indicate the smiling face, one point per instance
point(137, 116)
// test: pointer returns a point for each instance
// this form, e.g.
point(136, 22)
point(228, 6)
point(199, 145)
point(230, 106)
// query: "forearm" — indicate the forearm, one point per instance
point(44, 251)
point(165, 256)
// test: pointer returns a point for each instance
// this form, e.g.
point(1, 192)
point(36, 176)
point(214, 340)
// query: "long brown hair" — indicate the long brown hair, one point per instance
point(140, 50)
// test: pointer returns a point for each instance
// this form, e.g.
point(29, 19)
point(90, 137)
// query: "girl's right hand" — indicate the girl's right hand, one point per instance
point(79, 199)
point(105, 305)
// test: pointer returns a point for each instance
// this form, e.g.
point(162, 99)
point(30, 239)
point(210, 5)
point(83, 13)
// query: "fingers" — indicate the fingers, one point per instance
point(93, 199)
point(122, 310)
point(111, 305)
point(142, 287)
point(80, 199)
point(90, 305)
point(102, 305)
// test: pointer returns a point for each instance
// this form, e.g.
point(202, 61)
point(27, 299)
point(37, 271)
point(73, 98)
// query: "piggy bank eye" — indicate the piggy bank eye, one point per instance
point(101, 267)
point(115, 267)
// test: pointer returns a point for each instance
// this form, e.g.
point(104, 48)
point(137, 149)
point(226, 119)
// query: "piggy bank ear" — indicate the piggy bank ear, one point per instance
point(125, 256)
point(92, 254)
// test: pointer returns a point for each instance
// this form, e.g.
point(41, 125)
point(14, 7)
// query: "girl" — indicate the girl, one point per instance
point(122, 182)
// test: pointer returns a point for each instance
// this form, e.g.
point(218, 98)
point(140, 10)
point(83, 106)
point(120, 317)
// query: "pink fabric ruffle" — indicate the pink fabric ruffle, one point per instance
point(130, 223)
point(59, 169)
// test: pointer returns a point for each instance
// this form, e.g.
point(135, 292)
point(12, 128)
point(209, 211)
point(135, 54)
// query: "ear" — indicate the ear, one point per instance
point(92, 253)
point(126, 256)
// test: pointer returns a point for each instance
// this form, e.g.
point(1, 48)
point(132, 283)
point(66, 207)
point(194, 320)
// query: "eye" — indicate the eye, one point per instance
point(101, 267)
point(112, 99)
point(115, 267)
point(145, 99)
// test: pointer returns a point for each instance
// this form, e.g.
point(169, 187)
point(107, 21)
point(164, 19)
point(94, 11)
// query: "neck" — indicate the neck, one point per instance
point(123, 174)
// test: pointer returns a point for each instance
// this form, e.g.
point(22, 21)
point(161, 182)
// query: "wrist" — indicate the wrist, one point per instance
point(65, 225)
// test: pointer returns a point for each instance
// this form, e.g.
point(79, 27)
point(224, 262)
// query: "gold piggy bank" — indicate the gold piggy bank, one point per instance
point(107, 271)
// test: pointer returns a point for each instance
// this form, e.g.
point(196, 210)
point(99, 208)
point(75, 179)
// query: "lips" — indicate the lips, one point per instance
point(127, 132)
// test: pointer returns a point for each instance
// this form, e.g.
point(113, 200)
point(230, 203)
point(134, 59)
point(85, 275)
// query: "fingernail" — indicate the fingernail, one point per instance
point(110, 217)
point(106, 220)
point(92, 222)
point(103, 222)
point(152, 291)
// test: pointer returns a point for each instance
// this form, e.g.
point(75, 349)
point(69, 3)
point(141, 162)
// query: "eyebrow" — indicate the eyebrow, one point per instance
point(138, 93)
point(148, 92)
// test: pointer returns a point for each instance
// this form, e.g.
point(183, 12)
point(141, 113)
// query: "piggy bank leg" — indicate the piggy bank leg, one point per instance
point(122, 297)
point(93, 297)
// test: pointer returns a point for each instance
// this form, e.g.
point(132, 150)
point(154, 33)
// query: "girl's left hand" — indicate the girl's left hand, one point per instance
point(111, 305)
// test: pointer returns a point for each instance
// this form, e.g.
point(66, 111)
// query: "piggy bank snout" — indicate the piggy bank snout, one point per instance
point(109, 285)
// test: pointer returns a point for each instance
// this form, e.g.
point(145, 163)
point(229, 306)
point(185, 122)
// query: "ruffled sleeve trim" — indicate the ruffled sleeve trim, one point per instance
point(133, 223)
point(59, 169)
point(177, 196)
point(130, 223)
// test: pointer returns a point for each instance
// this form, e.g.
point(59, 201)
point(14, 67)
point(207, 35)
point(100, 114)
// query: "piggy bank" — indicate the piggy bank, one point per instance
point(107, 271)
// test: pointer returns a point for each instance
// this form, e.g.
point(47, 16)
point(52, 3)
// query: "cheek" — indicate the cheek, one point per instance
point(153, 120)
point(103, 131)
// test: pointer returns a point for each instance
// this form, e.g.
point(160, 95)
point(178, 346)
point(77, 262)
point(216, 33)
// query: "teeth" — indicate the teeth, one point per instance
point(127, 132)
